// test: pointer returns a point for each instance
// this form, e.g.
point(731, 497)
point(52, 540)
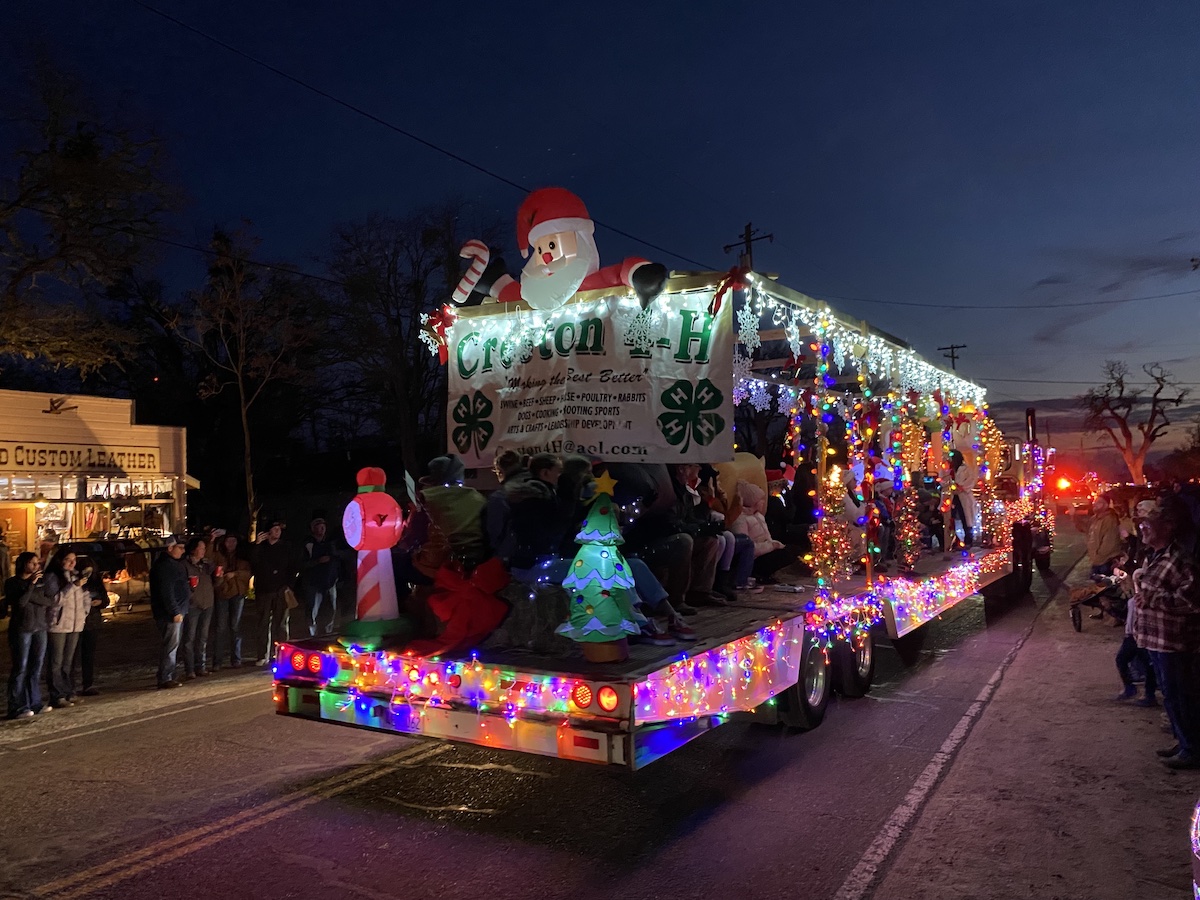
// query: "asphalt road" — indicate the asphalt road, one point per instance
point(205, 792)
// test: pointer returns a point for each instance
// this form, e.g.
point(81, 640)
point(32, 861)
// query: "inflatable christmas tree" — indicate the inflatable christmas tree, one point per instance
point(600, 583)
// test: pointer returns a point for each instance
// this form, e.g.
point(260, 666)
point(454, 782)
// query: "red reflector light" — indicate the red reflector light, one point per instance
point(581, 695)
point(607, 698)
point(455, 680)
point(314, 663)
point(298, 661)
point(589, 743)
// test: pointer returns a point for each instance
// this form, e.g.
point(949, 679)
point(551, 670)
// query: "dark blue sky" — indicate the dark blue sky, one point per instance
point(997, 154)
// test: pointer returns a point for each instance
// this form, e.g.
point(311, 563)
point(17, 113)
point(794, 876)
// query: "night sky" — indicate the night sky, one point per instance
point(989, 155)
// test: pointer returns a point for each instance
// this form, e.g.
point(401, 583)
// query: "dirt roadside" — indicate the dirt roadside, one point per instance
point(1056, 792)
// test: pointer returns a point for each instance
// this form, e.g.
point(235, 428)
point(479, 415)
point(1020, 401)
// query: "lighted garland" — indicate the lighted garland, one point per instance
point(832, 550)
point(908, 528)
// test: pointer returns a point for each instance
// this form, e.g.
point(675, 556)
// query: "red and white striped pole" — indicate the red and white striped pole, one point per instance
point(372, 523)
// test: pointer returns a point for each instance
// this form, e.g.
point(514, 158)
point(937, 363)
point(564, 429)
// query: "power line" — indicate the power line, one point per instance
point(1004, 306)
point(379, 120)
point(207, 251)
point(1092, 383)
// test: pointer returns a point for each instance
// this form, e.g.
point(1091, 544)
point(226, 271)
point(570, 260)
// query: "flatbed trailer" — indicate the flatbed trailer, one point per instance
point(772, 657)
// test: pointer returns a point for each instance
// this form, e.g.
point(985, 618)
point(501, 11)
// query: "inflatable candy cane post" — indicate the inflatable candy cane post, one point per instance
point(479, 254)
point(372, 526)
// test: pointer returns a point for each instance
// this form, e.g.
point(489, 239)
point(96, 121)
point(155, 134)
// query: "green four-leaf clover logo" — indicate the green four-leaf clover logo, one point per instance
point(691, 417)
point(471, 413)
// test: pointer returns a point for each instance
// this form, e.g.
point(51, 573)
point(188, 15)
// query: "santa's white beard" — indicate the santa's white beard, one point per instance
point(550, 291)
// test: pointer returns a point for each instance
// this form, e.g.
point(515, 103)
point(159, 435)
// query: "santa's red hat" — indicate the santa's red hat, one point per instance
point(550, 211)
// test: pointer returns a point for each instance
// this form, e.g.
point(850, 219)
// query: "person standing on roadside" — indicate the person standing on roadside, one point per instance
point(28, 609)
point(63, 585)
point(274, 574)
point(1166, 604)
point(232, 574)
point(98, 601)
point(200, 608)
point(319, 570)
point(169, 600)
point(1104, 542)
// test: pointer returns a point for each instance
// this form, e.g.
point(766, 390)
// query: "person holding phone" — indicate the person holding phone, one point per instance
point(27, 607)
point(63, 586)
point(97, 592)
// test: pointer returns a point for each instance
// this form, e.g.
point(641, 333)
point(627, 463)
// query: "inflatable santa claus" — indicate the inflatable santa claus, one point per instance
point(555, 231)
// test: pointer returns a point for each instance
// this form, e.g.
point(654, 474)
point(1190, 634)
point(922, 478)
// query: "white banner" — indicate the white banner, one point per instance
point(602, 378)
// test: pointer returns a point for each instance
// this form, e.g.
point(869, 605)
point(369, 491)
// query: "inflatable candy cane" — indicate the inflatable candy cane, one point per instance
point(372, 524)
point(478, 253)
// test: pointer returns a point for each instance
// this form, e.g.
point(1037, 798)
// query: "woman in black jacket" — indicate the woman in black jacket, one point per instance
point(27, 605)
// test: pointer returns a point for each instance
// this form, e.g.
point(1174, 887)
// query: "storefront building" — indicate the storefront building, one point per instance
point(76, 468)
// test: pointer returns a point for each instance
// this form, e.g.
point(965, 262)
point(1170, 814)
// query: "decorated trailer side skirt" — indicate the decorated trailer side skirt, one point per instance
point(907, 605)
point(642, 720)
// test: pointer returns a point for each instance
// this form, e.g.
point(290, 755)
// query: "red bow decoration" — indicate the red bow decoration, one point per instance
point(468, 607)
point(736, 279)
point(914, 397)
point(436, 325)
point(960, 419)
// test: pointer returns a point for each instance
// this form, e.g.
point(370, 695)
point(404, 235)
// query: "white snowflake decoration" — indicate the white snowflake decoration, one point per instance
point(741, 390)
point(748, 327)
point(430, 341)
point(643, 330)
point(741, 366)
point(786, 399)
point(760, 397)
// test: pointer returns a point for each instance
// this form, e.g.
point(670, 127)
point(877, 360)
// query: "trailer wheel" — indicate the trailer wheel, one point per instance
point(803, 705)
point(1043, 563)
point(1022, 553)
point(854, 662)
point(909, 646)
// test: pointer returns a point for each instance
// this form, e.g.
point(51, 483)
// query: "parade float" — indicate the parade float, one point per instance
point(632, 365)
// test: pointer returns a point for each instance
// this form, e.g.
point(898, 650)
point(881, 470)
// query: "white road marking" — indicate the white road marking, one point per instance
point(171, 712)
point(138, 862)
point(858, 883)
point(129, 705)
point(454, 808)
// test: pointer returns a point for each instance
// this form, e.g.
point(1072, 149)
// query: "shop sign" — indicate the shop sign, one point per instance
point(604, 379)
point(77, 459)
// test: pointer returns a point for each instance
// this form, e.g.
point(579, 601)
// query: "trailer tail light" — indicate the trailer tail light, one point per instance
point(607, 698)
point(315, 663)
point(299, 661)
point(581, 696)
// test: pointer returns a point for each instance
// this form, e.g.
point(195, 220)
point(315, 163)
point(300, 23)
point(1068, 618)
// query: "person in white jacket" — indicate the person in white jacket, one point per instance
point(965, 508)
point(70, 604)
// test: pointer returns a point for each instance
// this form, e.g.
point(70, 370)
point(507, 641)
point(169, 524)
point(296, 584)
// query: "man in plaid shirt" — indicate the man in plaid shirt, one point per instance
point(1166, 610)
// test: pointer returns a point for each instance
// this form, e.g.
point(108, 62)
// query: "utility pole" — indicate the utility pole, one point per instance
point(749, 236)
point(953, 354)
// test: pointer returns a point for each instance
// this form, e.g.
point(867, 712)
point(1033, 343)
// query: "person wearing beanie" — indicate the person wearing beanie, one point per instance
point(319, 571)
point(274, 574)
point(170, 596)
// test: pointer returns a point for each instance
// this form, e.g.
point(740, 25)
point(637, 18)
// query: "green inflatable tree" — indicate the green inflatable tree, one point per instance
point(600, 581)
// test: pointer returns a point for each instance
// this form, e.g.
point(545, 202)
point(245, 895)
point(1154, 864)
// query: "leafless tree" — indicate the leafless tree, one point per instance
point(393, 270)
point(85, 195)
point(1133, 416)
point(255, 330)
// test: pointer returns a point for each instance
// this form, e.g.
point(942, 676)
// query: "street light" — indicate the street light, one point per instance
point(39, 500)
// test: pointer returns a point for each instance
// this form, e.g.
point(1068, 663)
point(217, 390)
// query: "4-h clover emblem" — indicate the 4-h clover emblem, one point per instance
point(471, 413)
point(691, 417)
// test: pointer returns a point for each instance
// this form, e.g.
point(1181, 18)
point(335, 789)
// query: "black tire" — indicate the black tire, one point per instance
point(802, 706)
point(909, 646)
point(1077, 618)
point(1043, 563)
point(854, 662)
point(1022, 574)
